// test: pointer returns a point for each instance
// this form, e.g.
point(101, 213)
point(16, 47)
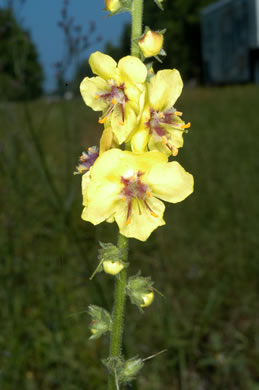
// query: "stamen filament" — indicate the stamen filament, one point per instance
point(174, 151)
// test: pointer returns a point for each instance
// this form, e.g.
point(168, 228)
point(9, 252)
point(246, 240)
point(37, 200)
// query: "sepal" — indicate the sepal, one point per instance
point(109, 257)
point(101, 321)
point(124, 371)
point(129, 370)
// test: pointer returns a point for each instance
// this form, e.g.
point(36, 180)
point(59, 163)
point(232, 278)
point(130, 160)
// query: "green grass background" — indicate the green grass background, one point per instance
point(205, 260)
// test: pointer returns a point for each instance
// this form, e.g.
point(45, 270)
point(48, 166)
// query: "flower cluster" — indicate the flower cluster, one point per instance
point(132, 174)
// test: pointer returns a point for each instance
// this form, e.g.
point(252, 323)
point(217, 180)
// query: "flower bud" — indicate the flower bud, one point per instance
point(112, 5)
point(112, 267)
point(147, 299)
point(92, 329)
point(140, 290)
point(151, 43)
point(101, 321)
point(128, 372)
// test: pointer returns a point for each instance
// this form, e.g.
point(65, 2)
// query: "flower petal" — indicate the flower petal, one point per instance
point(123, 129)
point(139, 140)
point(142, 222)
point(101, 201)
point(106, 166)
point(164, 89)
point(170, 182)
point(103, 65)
point(106, 140)
point(90, 88)
point(132, 70)
point(175, 139)
point(85, 183)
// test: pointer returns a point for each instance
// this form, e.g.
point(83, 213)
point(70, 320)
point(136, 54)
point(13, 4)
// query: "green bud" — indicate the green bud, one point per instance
point(101, 321)
point(130, 370)
point(125, 371)
point(114, 363)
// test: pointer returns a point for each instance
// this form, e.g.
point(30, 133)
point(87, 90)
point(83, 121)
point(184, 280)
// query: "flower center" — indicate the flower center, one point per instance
point(86, 160)
point(158, 122)
point(115, 96)
point(134, 188)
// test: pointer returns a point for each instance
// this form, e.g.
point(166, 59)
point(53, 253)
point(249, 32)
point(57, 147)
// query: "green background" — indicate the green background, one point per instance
point(204, 260)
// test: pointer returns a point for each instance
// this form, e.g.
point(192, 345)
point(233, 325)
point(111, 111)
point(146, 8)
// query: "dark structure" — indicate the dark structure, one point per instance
point(230, 42)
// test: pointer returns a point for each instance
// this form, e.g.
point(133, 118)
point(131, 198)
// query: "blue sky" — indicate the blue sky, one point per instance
point(40, 18)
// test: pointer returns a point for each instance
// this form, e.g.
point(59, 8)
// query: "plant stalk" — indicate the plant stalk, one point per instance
point(136, 26)
point(121, 281)
point(118, 310)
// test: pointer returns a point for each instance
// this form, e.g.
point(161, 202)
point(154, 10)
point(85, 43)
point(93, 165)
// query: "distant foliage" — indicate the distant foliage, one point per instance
point(182, 43)
point(21, 74)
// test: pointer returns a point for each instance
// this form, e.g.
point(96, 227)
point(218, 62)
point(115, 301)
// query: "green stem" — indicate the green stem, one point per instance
point(118, 310)
point(136, 27)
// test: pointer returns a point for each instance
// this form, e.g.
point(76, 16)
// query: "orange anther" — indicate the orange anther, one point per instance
point(178, 113)
point(114, 101)
point(128, 221)
point(96, 96)
point(123, 199)
point(186, 126)
point(148, 194)
point(164, 140)
point(102, 120)
point(153, 214)
point(174, 151)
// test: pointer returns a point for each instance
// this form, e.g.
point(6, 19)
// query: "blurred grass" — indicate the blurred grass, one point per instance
point(205, 260)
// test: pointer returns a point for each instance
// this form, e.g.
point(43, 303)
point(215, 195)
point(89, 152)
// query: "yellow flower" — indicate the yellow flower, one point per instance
point(125, 187)
point(160, 127)
point(151, 43)
point(117, 91)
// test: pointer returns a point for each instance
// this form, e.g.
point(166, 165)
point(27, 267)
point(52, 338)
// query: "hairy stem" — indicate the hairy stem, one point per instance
point(136, 28)
point(118, 310)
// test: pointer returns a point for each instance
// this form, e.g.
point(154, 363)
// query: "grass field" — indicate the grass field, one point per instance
point(205, 260)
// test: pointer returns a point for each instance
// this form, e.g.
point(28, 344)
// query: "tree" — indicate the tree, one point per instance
point(21, 74)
